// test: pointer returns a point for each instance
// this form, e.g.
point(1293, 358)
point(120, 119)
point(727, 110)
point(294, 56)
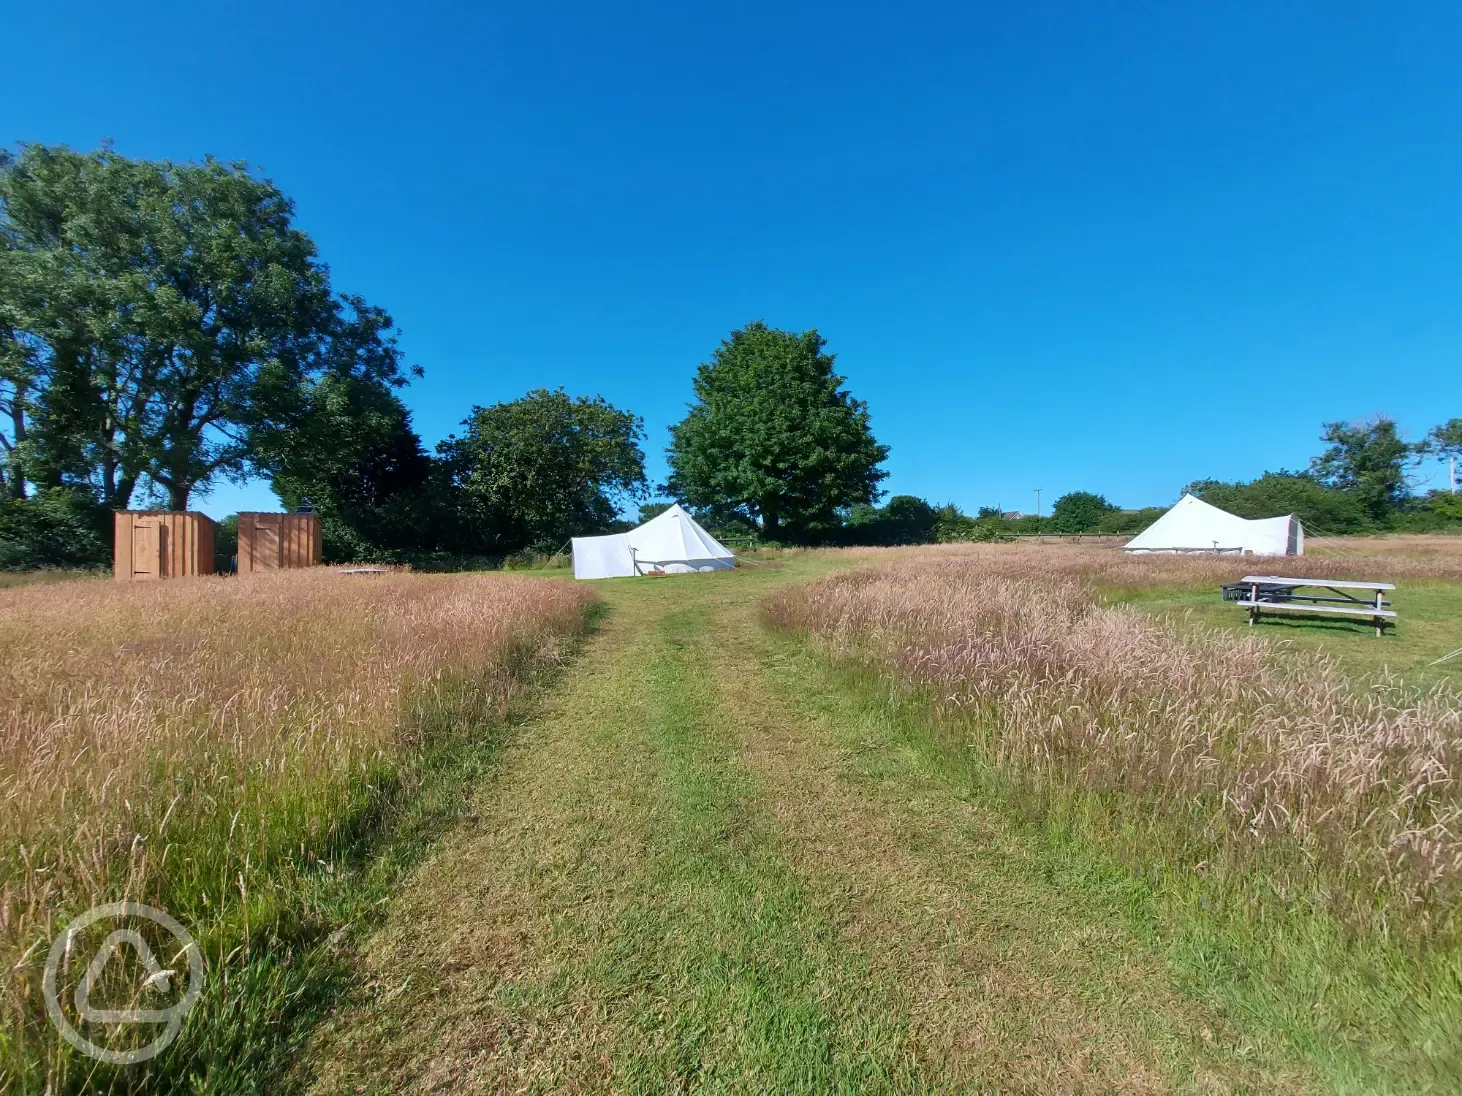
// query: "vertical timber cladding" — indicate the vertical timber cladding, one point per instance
point(153, 544)
point(278, 542)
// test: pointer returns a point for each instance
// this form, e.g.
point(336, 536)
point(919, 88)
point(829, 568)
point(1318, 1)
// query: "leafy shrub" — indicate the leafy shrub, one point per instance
point(1080, 512)
point(225, 544)
point(1325, 511)
point(905, 520)
point(1124, 522)
point(60, 527)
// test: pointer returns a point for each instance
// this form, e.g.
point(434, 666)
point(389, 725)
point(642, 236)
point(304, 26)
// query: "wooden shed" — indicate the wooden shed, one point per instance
point(277, 542)
point(153, 544)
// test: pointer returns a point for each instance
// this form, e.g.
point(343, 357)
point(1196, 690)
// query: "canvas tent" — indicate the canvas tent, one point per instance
point(672, 542)
point(1195, 526)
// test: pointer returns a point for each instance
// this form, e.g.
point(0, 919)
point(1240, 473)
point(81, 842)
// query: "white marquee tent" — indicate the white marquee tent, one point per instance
point(672, 542)
point(1195, 526)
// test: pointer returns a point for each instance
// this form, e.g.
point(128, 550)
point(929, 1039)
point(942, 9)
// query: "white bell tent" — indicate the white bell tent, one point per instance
point(1195, 526)
point(672, 542)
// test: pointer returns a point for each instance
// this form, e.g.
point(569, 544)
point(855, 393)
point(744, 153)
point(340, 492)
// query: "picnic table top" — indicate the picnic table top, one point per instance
point(1332, 583)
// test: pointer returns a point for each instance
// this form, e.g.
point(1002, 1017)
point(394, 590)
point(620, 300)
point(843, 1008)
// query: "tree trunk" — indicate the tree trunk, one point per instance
point(178, 493)
point(771, 525)
point(109, 482)
point(15, 473)
point(120, 497)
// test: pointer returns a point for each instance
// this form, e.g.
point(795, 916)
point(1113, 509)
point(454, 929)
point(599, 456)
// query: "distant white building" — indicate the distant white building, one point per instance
point(1195, 526)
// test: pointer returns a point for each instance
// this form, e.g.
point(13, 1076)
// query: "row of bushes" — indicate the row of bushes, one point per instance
point(1329, 511)
point(64, 527)
point(1325, 511)
point(59, 527)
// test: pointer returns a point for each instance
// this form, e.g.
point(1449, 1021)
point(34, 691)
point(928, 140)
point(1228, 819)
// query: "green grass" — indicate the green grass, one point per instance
point(1362, 1015)
point(764, 1000)
point(712, 864)
point(1428, 626)
point(281, 961)
point(709, 860)
point(624, 837)
point(249, 1027)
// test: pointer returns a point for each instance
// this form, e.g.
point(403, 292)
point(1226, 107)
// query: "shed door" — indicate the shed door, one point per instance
point(148, 544)
point(266, 545)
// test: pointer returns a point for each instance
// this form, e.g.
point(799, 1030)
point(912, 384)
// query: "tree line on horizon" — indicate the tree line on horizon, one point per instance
point(1363, 482)
point(164, 326)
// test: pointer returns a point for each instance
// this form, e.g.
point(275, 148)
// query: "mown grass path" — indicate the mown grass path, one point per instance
point(702, 868)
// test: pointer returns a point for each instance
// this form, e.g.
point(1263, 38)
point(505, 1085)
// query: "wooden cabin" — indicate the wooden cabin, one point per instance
point(154, 544)
point(278, 542)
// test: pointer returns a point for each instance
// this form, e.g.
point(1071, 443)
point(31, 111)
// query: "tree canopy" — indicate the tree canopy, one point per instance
point(163, 325)
point(1446, 438)
point(1080, 512)
point(773, 437)
point(535, 471)
point(168, 310)
point(1368, 460)
point(906, 519)
point(1323, 510)
point(354, 455)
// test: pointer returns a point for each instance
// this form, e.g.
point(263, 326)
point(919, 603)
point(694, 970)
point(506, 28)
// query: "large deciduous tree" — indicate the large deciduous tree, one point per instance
point(773, 437)
point(165, 314)
point(1445, 440)
point(1080, 512)
point(1369, 460)
point(344, 442)
point(537, 470)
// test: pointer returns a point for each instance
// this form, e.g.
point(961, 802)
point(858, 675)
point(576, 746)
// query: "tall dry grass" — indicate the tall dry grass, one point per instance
point(206, 744)
point(1202, 747)
point(1379, 558)
point(1419, 545)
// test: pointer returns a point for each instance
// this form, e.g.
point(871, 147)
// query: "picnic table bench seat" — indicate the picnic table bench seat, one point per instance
point(1271, 593)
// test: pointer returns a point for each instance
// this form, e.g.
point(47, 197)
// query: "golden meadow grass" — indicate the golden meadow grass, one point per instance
point(205, 744)
point(1388, 558)
point(1226, 753)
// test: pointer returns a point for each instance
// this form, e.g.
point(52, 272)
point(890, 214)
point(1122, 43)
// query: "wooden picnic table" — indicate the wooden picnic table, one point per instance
point(1271, 593)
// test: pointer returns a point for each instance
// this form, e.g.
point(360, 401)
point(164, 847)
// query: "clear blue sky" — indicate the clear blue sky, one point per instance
point(1080, 246)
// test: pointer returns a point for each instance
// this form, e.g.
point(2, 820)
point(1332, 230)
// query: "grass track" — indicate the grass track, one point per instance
point(703, 868)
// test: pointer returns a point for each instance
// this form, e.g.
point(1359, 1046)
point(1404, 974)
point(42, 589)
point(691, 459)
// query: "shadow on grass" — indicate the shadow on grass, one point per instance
point(1284, 625)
